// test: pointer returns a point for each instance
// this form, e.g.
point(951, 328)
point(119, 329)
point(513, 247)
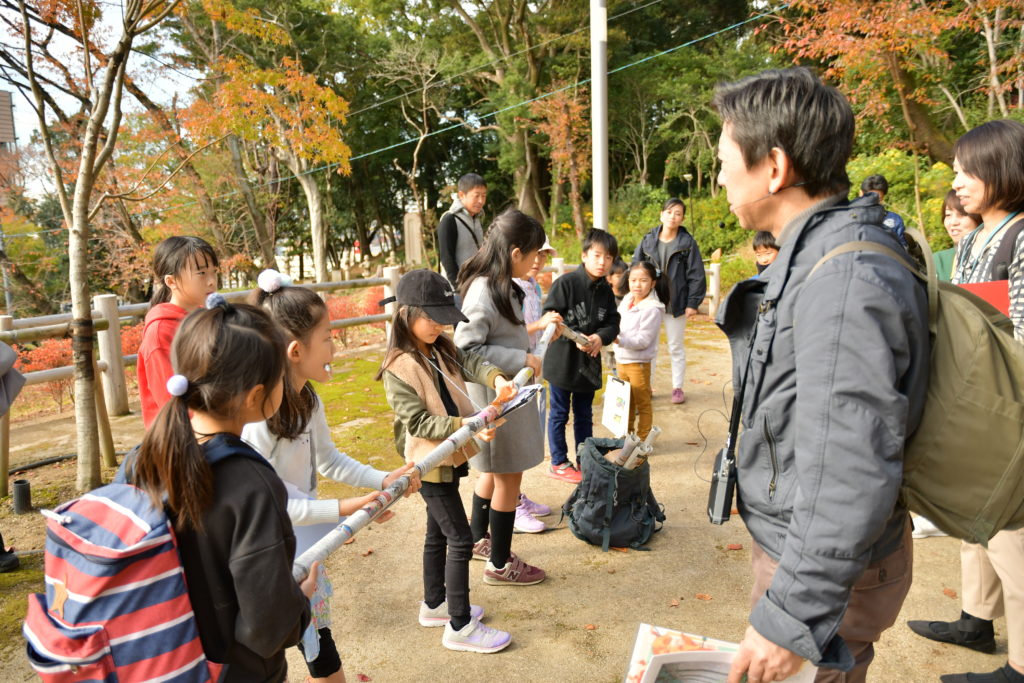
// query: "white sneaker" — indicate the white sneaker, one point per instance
point(923, 528)
point(475, 637)
point(526, 523)
point(439, 615)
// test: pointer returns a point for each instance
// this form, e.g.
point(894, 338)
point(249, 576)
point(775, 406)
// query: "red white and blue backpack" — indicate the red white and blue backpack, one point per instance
point(116, 606)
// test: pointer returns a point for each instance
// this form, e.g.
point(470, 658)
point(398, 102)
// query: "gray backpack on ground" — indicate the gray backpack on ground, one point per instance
point(612, 506)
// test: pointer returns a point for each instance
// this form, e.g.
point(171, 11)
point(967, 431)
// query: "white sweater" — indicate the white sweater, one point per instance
point(294, 461)
point(639, 327)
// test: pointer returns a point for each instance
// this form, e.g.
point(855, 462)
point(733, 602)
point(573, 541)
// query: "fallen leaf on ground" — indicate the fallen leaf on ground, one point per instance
point(702, 596)
point(949, 592)
point(673, 603)
point(368, 551)
point(611, 571)
point(735, 511)
point(621, 550)
point(350, 540)
point(734, 546)
point(591, 627)
point(363, 677)
point(691, 443)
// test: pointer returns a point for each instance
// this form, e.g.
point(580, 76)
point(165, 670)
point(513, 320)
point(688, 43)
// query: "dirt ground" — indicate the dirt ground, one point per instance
point(580, 624)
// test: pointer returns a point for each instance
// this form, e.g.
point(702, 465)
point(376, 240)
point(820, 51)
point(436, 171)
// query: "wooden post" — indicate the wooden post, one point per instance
point(559, 263)
point(6, 324)
point(103, 419)
point(394, 274)
point(115, 388)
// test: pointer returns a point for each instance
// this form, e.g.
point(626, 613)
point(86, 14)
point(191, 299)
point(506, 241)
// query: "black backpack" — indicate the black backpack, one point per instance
point(612, 506)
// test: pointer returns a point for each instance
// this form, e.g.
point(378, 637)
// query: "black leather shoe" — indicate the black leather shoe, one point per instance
point(969, 632)
point(997, 676)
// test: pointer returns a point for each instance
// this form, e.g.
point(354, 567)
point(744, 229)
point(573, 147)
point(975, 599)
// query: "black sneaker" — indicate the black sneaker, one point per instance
point(968, 631)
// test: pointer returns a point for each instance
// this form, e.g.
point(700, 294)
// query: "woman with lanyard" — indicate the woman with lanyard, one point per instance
point(989, 166)
point(990, 181)
point(674, 251)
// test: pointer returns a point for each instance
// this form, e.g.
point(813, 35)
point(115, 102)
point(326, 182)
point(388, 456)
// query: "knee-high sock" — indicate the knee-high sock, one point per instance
point(479, 517)
point(501, 536)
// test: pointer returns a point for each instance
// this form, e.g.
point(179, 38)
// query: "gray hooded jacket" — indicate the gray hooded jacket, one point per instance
point(459, 236)
point(838, 370)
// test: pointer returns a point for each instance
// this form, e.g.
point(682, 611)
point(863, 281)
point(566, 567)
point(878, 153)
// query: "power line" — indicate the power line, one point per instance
point(482, 117)
point(503, 58)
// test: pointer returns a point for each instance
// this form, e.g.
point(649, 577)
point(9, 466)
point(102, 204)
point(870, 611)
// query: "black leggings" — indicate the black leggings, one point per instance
point(328, 661)
point(447, 550)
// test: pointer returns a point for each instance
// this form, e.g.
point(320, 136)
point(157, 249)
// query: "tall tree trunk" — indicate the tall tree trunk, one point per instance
point(527, 178)
point(256, 215)
point(82, 338)
point(934, 141)
point(317, 229)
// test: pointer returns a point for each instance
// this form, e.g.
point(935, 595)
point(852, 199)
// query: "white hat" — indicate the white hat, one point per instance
point(547, 246)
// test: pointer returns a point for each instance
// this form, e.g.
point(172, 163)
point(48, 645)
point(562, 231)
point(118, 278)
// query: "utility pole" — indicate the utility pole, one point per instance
point(599, 108)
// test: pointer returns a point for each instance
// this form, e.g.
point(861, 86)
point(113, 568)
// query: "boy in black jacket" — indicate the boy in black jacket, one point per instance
point(587, 305)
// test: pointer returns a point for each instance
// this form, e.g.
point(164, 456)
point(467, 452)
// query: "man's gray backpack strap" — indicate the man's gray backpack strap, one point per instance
point(963, 467)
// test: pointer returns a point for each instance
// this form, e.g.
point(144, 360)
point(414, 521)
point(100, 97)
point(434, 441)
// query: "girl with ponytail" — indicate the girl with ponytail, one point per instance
point(228, 504)
point(298, 443)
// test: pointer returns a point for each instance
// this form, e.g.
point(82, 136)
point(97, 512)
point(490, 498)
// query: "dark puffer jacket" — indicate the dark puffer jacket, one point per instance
point(685, 270)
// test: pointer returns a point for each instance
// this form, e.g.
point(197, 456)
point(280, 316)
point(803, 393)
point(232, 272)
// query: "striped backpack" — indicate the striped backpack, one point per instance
point(116, 607)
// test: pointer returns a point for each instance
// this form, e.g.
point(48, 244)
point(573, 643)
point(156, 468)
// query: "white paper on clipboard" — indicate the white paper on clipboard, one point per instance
point(615, 415)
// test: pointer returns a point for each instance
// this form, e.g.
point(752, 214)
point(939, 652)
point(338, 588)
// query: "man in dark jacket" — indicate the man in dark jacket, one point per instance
point(832, 363)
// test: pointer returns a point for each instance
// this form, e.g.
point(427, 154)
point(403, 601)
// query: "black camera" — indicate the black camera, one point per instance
point(723, 487)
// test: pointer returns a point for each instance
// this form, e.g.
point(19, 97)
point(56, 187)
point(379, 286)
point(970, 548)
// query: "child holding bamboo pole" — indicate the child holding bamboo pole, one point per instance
point(298, 443)
point(424, 377)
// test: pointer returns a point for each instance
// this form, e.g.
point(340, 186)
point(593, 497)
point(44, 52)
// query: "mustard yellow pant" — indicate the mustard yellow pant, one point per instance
point(639, 377)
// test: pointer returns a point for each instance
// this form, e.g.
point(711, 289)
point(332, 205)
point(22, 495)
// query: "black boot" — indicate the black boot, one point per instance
point(968, 631)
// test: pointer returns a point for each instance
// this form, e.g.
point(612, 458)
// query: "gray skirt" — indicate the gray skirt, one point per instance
point(518, 444)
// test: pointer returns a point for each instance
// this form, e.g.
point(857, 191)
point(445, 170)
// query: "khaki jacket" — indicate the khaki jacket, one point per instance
point(421, 421)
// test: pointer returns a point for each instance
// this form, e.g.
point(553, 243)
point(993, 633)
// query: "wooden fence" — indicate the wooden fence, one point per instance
point(112, 389)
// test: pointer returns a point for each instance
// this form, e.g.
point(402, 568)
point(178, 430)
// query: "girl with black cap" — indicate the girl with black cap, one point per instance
point(425, 378)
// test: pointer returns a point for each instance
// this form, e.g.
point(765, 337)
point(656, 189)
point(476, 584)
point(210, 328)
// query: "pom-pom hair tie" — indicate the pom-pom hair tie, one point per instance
point(177, 385)
point(270, 281)
point(216, 299)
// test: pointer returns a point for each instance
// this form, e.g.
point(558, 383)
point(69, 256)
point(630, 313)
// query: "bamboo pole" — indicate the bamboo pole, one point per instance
point(349, 526)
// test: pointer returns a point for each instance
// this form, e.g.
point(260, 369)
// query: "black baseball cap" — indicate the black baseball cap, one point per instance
point(430, 291)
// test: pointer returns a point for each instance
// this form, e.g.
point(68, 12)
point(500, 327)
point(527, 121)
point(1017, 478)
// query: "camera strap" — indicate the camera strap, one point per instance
point(737, 398)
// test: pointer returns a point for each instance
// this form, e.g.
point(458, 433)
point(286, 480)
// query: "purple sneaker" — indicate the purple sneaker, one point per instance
point(533, 507)
point(678, 396)
point(526, 523)
point(475, 637)
point(439, 615)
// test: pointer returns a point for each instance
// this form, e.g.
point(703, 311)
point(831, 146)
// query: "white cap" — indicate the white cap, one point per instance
point(547, 246)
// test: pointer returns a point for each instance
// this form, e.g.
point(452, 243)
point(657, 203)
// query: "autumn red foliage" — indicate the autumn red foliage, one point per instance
point(48, 354)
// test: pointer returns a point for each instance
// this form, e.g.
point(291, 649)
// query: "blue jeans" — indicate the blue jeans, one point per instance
point(582, 403)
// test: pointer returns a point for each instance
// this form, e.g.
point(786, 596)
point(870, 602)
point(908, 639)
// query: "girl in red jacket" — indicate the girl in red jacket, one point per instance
point(184, 274)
